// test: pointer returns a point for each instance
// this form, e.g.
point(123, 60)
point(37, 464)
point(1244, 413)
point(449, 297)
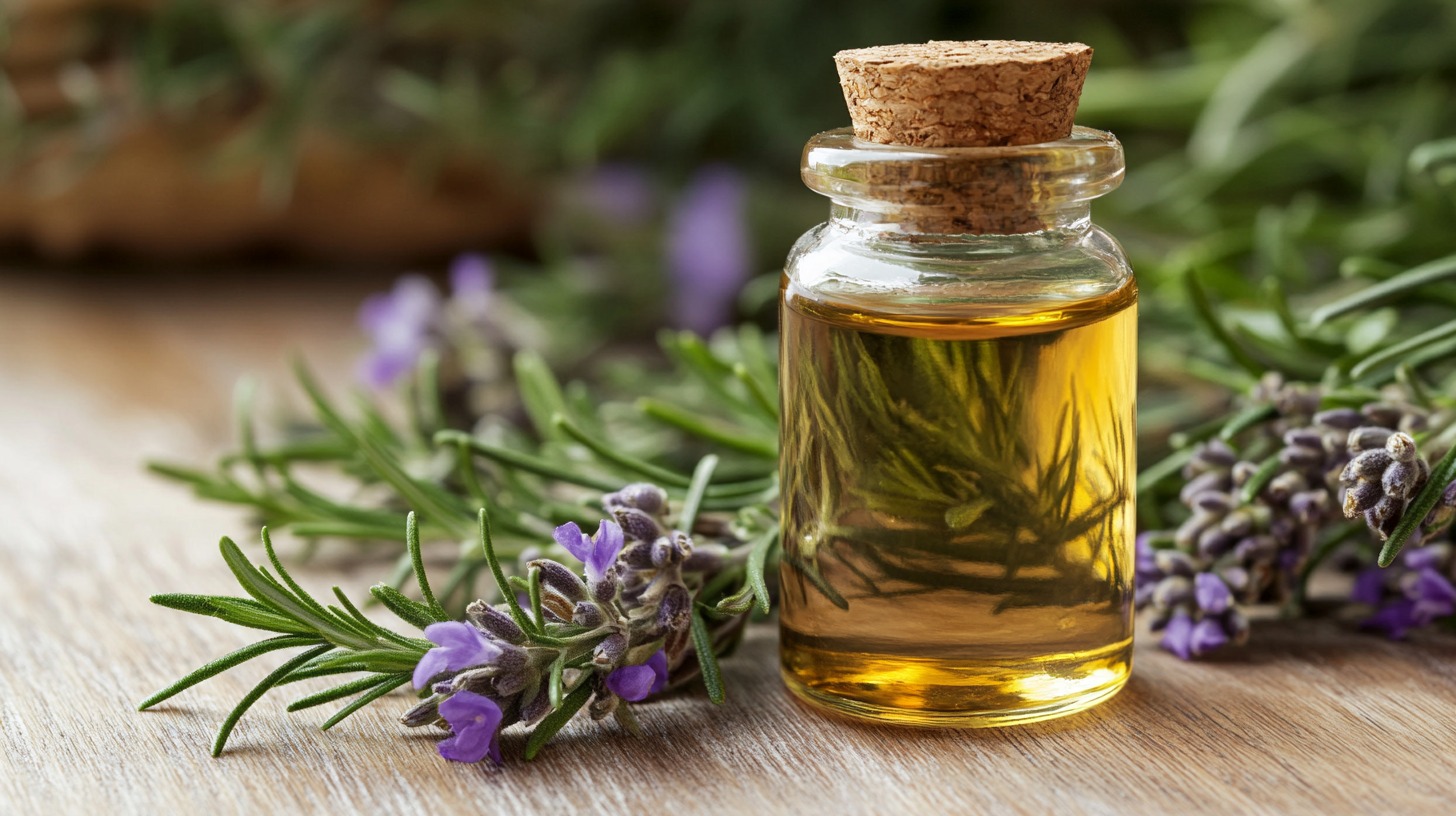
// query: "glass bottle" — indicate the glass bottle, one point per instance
point(957, 458)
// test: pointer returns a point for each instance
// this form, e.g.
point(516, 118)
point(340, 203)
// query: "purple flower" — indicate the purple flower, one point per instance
point(460, 646)
point(1432, 594)
point(1187, 639)
point(708, 253)
point(1395, 619)
point(1212, 593)
point(598, 553)
point(635, 683)
point(1178, 636)
point(399, 324)
point(472, 284)
point(1207, 635)
point(1418, 558)
point(475, 722)
point(1369, 586)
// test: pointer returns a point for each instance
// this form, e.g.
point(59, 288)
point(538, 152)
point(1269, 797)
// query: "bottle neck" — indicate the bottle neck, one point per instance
point(960, 226)
point(989, 198)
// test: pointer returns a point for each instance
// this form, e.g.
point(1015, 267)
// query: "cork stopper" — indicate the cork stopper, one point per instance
point(980, 93)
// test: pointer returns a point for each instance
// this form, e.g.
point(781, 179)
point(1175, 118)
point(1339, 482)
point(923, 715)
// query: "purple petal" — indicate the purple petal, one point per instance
point(1177, 636)
point(605, 547)
point(1421, 558)
point(658, 664)
point(384, 368)
point(1433, 595)
point(708, 251)
point(475, 720)
point(1435, 587)
point(632, 682)
point(453, 635)
point(1212, 593)
point(461, 646)
point(375, 312)
point(1207, 635)
point(1369, 586)
point(432, 663)
point(1394, 619)
point(471, 274)
point(571, 539)
point(472, 281)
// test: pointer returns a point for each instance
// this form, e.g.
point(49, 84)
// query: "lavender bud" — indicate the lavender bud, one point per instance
point(648, 498)
point(638, 555)
point(1172, 590)
point(1384, 516)
point(610, 651)
point(1186, 536)
point(1210, 456)
point(1299, 457)
point(1367, 438)
point(1342, 418)
point(1199, 484)
point(1255, 548)
point(1243, 472)
point(637, 524)
point(1401, 447)
point(1284, 485)
point(1213, 502)
point(675, 608)
point(476, 680)
point(1309, 505)
point(1368, 465)
point(511, 683)
point(1158, 618)
point(704, 559)
point(495, 622)
point(1383, 414)
point(1173, 562)
point(1237, 578)
point(558, 577)
point(1304, 438)
point(605, 590)
point(588, 614)
point(1361, 496)
point(422, 714)
point(1237, 524)
point(1215, 542)
point(1401, 480)
point(662, 552)
point(1444, 510)
point(538, 707)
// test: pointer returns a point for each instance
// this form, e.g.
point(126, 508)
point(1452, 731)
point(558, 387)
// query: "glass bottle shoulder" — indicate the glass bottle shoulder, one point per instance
point(1038, 282)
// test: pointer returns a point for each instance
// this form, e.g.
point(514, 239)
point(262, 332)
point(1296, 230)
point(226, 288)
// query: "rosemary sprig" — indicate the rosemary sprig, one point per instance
point(335, 639)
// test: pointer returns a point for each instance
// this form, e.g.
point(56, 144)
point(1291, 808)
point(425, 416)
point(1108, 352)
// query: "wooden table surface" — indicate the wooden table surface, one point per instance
point(99, 373)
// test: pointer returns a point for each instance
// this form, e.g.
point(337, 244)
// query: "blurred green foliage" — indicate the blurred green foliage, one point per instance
point(1279, 151)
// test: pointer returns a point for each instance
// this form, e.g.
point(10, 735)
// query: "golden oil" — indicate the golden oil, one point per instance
point(958, 505)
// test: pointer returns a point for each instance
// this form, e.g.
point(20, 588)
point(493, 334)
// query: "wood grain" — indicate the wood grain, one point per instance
point(96, 376)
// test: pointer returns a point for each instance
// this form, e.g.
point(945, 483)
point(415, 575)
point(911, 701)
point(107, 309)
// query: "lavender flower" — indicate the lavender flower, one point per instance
point(1253, 521)
point(708, 253)
point(399, 324)
point(475, 722)
point(412, 317)
point(634, 683)
point(460, 646)
point(598, 553)
point(472, 286)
